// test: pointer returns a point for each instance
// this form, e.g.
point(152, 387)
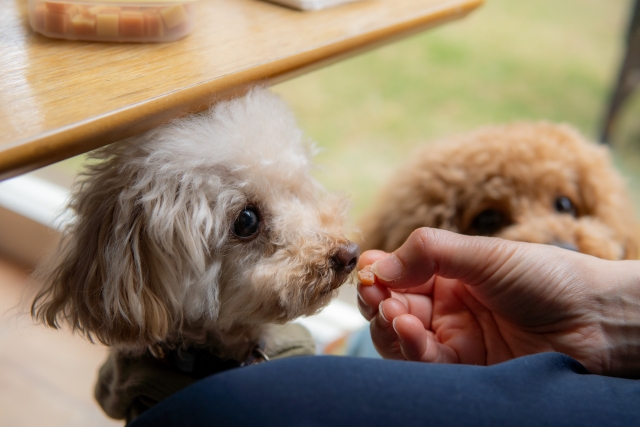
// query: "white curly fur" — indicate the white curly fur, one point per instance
point(151, 260)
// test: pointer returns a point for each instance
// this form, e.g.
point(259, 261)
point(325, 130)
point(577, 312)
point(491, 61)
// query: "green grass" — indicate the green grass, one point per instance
point(509, 60)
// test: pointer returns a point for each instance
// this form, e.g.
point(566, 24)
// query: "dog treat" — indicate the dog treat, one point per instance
point(56, 22)
point(107, 20)
point(173, 16)
point(107, 24)
point(153, 23)
point(83, 25)
point(366, 276)
point(132, 24)
point(38, 15)
point(57, 7)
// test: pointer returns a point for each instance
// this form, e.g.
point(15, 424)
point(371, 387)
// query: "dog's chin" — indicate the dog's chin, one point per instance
point(335, 284)
point(328, 292)
point(322, 298)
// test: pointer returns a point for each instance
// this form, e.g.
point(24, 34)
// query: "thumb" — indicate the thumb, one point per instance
point(428, 252)
point(530, 284)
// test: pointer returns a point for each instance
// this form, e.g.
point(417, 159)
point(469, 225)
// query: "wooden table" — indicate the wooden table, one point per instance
point(63, 98)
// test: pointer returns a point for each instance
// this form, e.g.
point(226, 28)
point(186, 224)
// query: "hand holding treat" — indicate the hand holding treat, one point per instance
point(448, 298)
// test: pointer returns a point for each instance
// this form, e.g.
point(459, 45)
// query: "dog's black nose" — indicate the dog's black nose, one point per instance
point(565, 245)
point(346, 258)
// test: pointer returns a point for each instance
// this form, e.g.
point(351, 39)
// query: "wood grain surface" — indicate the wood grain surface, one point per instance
point(62, 98)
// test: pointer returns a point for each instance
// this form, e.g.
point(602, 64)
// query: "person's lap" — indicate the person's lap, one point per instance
point(543, 389)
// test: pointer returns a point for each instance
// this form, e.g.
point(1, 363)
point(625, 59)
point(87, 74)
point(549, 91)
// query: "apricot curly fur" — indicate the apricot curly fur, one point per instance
point(520, 170)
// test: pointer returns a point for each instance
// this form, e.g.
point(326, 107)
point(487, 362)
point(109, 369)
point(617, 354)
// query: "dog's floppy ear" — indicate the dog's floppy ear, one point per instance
point(123, 266)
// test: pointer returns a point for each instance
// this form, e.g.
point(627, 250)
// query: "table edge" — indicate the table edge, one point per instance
point(41, 150)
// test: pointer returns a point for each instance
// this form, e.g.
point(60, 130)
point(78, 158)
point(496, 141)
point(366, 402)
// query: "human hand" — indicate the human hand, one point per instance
point(444, 297)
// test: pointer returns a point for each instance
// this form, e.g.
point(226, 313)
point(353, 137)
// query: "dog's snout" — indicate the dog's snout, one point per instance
point(346, 258)
point(565, 245)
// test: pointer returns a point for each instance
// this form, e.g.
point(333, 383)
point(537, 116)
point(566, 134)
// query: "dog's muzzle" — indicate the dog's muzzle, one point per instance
point(345, 259)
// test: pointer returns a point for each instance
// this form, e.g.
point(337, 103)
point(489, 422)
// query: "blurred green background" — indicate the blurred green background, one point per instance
point(509, 60)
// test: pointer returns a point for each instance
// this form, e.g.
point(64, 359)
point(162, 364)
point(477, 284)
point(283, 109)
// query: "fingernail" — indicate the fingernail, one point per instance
point(394, 325)
point(381, 311)
point(388, 269)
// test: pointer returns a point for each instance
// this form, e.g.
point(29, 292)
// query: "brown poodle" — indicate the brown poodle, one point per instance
point(530, 182)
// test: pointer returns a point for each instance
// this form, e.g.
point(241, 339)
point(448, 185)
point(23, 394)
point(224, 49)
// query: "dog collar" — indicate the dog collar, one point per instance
point(200, 363)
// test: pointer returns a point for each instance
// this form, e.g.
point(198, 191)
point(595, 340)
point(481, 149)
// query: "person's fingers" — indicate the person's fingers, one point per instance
point(528, 284)
point(430, 251)
point(384, 337)
point(418, 305)
point(370, 297)
point(418, 344)
point(412, 336)
point(369, 257)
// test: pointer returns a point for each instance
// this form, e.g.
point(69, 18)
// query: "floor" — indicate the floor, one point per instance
point(46, 375)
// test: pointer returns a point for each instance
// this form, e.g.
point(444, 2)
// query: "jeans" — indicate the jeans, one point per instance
point(544, 389)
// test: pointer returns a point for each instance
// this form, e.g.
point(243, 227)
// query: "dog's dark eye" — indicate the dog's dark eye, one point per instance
point(247, 223)
point(564, 205)
point(488, 222)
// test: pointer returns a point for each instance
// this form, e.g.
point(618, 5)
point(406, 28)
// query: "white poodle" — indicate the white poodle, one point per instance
point(195, 236)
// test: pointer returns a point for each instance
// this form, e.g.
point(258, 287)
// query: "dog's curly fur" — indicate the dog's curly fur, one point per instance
point(532, 182)
point(152, 259)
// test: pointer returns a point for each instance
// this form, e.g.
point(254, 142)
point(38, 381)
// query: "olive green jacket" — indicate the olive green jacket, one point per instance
point(128, 386)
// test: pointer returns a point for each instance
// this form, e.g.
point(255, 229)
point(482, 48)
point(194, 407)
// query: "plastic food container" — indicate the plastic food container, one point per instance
point(310, 4)
point(113, 21)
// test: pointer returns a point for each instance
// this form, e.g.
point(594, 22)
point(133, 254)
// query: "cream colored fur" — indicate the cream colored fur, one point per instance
point(519, 169)
point(151, 259)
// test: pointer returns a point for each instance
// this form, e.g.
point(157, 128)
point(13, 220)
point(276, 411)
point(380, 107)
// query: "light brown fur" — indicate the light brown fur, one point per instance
point(152, 260)
point(520, 170)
